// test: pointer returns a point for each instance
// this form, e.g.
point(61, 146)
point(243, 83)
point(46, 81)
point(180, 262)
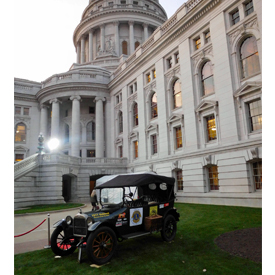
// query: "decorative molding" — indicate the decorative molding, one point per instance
point(133, 135)
point(207, 104)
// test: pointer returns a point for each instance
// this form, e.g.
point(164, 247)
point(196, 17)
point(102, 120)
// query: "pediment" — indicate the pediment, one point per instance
point(118, 140)
point(248, 87)
point(133, 135)
point(175, 117)
point(206, 104)
point(151, 127)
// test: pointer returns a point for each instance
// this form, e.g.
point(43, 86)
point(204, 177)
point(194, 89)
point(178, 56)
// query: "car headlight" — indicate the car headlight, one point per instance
point(89, 220)
point(69, 220)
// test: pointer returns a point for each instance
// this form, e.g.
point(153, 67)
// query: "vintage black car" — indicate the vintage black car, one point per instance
point(132, 205)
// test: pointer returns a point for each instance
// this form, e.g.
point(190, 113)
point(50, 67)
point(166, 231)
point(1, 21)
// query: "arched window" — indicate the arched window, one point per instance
point(136, 44)
point(135, 114)
point(125, 47)
point(154, 106)
point(207, 78)
point(90, 132)
point(120, 122)
point(20, 133)
point(67, 133)
point(249, 57)
point(177, 94)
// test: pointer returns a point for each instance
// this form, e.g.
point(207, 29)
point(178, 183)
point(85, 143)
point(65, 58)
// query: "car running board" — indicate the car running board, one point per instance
point(136, 235)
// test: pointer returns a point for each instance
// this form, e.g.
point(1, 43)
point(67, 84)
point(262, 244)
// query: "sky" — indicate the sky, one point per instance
point(43, 35)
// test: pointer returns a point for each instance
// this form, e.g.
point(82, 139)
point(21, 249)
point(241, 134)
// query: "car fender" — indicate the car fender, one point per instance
point(60, 223)
point(94, 226)
point(172, 211)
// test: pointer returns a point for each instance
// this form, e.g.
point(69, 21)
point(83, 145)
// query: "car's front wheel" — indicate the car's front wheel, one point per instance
point(101, 245)
point(169, 229)
point(61, 245)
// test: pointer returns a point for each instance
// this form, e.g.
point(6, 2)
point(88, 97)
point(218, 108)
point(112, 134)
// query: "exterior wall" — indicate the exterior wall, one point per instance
point(236, 147)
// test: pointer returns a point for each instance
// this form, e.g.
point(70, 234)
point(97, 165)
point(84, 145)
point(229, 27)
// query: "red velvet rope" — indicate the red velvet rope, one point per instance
point(29, 231)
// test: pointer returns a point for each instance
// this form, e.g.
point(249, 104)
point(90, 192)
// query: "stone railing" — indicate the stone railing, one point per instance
point(60, 158)
point(25, 166)
point(107, 161)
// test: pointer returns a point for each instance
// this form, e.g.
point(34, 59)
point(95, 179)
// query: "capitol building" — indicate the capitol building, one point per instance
point(181, 97)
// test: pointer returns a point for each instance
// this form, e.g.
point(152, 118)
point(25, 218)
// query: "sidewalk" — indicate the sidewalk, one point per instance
point(38, 238)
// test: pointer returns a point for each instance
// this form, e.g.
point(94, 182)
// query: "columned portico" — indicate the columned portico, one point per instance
point(99, 127)
point(78, 49)
point(55, 118)
point(91, 34)
point(82, 50)
point(102, 37)
point(44, 120)
point(75, 137)
point(145, 31)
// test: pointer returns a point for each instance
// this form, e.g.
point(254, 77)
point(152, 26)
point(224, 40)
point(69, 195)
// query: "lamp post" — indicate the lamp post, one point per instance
point(40, 144)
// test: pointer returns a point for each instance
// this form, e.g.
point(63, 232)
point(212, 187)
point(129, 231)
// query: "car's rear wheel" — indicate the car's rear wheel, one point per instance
point(169, 229)
point(61, 245)
point(101, 245)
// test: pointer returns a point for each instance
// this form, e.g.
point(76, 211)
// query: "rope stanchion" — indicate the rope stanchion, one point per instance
point(29, 231)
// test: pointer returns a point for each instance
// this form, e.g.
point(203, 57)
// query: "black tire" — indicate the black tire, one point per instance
point(169, 228)
point(101, 245)
point(67, 247)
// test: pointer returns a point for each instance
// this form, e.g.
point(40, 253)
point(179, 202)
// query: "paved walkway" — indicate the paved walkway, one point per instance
point(38, 238)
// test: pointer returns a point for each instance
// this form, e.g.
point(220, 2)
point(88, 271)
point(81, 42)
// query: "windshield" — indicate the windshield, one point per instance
point(111, 196)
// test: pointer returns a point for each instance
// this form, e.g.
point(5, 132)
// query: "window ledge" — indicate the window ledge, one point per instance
point(248, 77)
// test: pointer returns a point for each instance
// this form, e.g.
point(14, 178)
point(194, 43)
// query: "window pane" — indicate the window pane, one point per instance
point(213, 177)
point(197, 43)
point(235, 17)
point(19, 157)
point(177, 94)
point(26, 111)
point(120, 122)
point(249, 8)
point(257, 175)
point(135, 113)
point(135, 149)
point(17, 111)
point(208, 85)
point(90, 153)
point(90, 136)
point(179, 180)
point(154, 106)
point(211, 128)
point(124, 48)
point(255, 115)
point(154, 144)
point(20, 133)
point(178, 137)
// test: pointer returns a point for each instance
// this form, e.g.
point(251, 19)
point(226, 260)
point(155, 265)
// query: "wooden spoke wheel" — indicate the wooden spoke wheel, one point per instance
point(169, 229)
point(101, 245)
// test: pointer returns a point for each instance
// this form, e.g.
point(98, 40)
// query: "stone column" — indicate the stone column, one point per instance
point(91, 33)
point(44, 120)
point(55, 118)
point(78, 49)
point(102, 37)
point(116, 24)
point(131, 36)
point(99, 127)
point(82, 50)
point(145, 30)
point(75, 137)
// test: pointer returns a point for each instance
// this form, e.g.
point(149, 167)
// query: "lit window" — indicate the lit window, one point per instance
point(90, 132)
point(19, 157)
point(197, 43)
point(154, 74)
point(207, 78)
point(248, 8)
point(211, 130)
point(26, 111)
point(257, 175)
point(249, 57)
point(20, 133)
point(17, 111)
point(136, 149)
point(235, 17)
point(178, 137)
point(120, 122)
point(255, 115)
point(135, 114)
point(154, 106)
point(177, 94)
point(207, 37)
point(179, 180)
point(154, 144)
point(213, 177)
point(90, 153)
point(148, 76)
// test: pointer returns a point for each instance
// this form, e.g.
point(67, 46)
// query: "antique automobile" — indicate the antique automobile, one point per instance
point(132, 205)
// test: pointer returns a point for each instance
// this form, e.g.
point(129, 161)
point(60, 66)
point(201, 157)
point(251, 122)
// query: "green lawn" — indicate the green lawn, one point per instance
point(192, 251)
point(47, 208)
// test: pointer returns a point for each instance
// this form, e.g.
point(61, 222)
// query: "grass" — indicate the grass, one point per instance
point(192, 251)
point(47, 208)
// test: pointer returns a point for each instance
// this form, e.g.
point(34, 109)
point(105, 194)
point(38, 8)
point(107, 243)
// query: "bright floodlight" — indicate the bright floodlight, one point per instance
point(53, 144)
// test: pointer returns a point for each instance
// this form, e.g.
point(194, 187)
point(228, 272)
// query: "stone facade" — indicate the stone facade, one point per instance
point(180, 97)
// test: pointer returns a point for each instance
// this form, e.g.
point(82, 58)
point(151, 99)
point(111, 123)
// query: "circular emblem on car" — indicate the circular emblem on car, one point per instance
point(136, 216)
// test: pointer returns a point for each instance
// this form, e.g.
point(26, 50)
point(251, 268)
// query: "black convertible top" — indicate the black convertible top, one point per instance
point(135, 180)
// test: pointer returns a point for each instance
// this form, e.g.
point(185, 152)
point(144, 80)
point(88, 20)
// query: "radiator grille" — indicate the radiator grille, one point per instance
point(80, 227)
